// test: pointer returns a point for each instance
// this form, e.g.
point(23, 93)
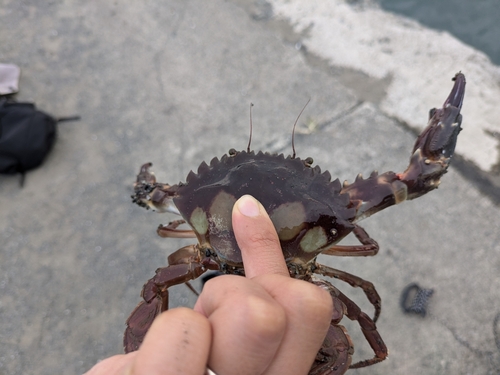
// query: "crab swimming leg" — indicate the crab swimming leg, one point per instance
point(430, 159)
point(185, 264)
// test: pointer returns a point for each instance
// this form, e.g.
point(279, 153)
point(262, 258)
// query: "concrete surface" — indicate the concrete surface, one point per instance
point(171, 83)
point(414, 62)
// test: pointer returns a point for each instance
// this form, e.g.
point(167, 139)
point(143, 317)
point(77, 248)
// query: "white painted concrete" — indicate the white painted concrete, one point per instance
point(419, 60)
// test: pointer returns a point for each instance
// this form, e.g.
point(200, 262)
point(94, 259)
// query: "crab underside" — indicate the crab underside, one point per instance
point(311, 214)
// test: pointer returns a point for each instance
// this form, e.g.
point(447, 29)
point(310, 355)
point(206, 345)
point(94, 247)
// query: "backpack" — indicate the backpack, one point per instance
point(26, 136)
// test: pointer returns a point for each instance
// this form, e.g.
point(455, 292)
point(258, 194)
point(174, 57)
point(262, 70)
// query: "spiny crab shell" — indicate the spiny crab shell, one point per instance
point(306, 208)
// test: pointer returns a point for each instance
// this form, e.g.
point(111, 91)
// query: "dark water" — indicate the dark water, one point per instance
point(475, 22)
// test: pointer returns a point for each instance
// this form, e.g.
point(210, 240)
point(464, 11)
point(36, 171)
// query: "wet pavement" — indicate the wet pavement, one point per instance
point(171, 84)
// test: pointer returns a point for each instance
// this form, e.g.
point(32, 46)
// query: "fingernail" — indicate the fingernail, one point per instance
point(248, 206)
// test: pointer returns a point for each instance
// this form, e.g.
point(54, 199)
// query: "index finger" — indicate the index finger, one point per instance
point(257, 239)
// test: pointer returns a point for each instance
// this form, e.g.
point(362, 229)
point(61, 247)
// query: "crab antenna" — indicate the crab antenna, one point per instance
point(250, 138)
point(294, 125)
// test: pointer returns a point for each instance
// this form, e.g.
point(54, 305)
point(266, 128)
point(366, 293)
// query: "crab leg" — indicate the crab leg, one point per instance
point(356, 282)
point(335, 355)
point(171, 230)
point(368, 245)
point(430, 159)
point(368, 327)
point(369, 330)
point(184, 265)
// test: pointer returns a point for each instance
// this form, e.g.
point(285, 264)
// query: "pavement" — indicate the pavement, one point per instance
point(171, 83)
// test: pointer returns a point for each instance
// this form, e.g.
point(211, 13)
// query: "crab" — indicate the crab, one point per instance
point(311, 214)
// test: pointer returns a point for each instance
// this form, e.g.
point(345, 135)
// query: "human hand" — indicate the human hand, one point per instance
point(264, 323)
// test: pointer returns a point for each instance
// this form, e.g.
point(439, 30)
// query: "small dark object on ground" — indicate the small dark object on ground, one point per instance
point(417, 304)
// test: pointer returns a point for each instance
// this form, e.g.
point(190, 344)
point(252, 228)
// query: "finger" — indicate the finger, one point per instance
point(257, 239)
point(178, 342)
point(308, 310)
point(116, 365)
point(247, 324)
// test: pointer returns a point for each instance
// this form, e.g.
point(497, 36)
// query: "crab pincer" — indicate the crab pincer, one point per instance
point(429, 161)
point(435, 146)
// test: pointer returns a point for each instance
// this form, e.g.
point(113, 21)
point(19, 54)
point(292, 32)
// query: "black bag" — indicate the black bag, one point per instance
point(26, 136)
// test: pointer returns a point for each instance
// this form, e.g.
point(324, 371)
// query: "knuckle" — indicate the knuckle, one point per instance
point(312, 302)
point(267, 319)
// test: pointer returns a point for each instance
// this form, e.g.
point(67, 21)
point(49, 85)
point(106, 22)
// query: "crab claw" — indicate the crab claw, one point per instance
point(145, 176)
point(150, 194)
point(435, 146)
